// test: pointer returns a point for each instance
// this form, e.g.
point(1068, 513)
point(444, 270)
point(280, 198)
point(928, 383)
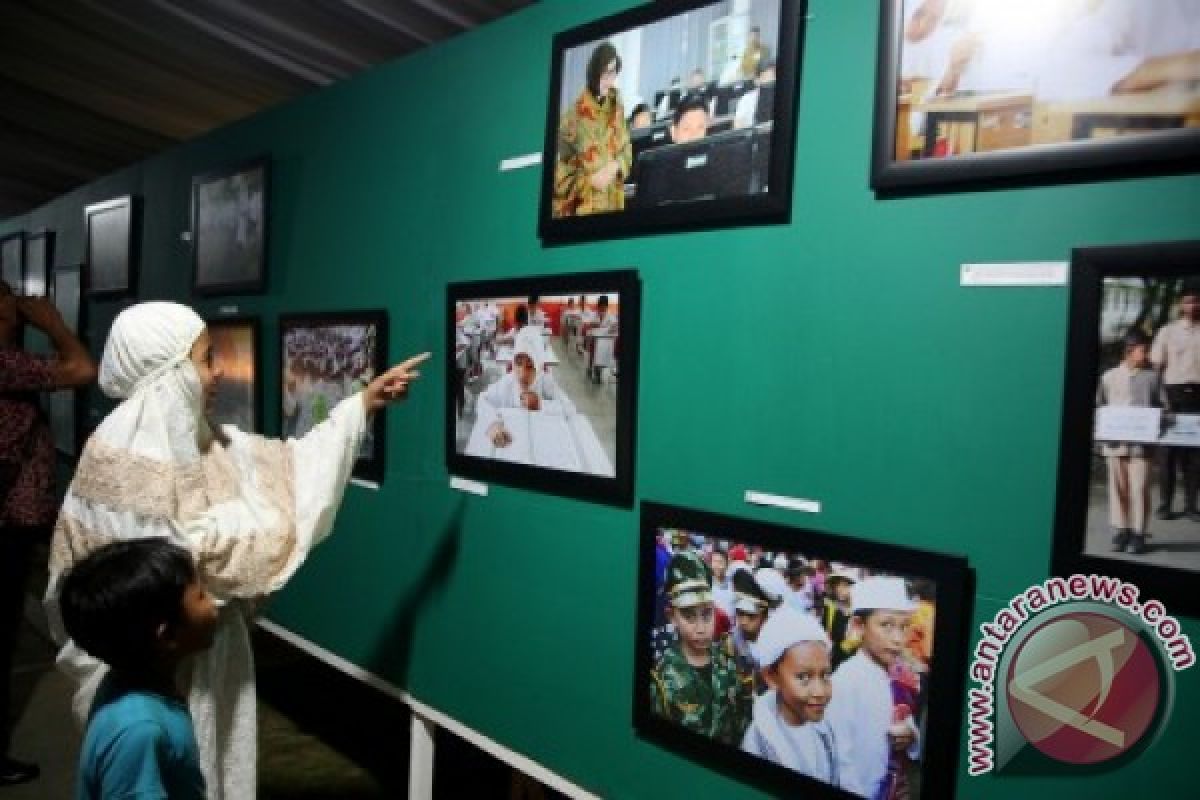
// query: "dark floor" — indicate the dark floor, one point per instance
point(322, 734)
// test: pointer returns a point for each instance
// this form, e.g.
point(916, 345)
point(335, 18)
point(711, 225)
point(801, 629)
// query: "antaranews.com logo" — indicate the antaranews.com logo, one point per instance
point(1075, 667)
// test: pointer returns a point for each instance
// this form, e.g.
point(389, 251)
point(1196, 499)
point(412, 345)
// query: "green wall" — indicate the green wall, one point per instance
point(835, 358)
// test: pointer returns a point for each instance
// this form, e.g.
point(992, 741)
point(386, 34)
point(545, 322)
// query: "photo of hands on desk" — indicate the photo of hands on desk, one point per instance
point(988, 75)
point(536, 380)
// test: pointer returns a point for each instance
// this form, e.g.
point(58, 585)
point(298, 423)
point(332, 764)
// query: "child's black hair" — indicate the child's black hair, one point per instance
point(114, 601)
point(691, 104)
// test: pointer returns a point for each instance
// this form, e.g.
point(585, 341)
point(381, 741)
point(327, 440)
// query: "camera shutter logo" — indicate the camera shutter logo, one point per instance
point(1083, 688)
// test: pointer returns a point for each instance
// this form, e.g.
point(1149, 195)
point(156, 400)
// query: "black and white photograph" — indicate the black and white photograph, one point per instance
point(111, 246)
point(12, 261)
point(64, 406)
point(1129, 482)
point(39, 261)
point(229, 229)
point(672, 115)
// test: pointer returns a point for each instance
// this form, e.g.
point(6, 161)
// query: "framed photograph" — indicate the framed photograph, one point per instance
point(1129, 464)
point(39, 256)
point(542, 382)
point(790, 658)
point(12, 261)
point(673, 115)
point(237, 353)
point(326, 357)
point(65, 407)
point(111, 246)
point(969, 91)
point(229, 229)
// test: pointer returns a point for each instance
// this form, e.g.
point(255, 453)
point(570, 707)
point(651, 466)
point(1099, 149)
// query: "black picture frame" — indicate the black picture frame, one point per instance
point(230, 224)
point(370, 464)
point(39, 260)
point(1082, 538)
point(953, 583)
point(65, 407)
point(730, 177)
point(624, 287)
point(12, 261)
point(111, 246)
point(238, 399)
point(996, 125)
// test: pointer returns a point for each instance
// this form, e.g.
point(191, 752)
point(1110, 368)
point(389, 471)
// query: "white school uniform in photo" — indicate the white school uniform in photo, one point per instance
point(812, 749)
point(861, 713)
point(1091, 50)
point(506, 392)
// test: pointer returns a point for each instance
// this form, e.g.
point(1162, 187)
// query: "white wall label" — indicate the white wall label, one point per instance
point(520, 162)
point(1017, 273)
point(464, 485)
point(780, 501)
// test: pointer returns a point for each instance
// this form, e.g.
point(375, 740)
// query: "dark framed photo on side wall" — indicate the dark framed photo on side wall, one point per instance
point(972, 91)
point(325, 358)
point(542, 384)
point(1129, 461)
point(672, 115)
point(12, 261)
point(236, 351)
point(791, 658)
point(111, 250)
point(39, 260)
point(230, 211)
point(65, 407)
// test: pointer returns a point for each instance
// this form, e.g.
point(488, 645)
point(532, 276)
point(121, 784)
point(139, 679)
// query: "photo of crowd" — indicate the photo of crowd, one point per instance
point(536, 380)
point(677, 111)
point(323, 364)
point(235, 354)
point(981, 76)
point(1144, 487)
point(820, 666)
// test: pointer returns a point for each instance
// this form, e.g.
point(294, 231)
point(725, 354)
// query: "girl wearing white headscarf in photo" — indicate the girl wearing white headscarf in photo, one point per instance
point(528, 386)
point(788, 725)
point(248, 508)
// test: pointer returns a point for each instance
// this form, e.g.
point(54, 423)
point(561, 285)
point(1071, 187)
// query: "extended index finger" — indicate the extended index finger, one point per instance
point(414, 361)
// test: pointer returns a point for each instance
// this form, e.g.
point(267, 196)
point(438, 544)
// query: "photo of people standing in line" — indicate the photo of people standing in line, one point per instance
point(1144, 486)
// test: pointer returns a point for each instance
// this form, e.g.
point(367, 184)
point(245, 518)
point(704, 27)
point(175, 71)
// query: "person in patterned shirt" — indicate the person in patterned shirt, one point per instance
point(27, 497)
point(695, 683)
point(594, 153)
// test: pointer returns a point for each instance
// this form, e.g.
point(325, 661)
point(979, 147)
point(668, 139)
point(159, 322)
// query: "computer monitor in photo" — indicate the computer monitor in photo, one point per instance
point(711, 168)
point(764, 110)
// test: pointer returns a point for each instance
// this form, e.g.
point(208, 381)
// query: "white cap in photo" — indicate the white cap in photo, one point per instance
point(784, 628)
point(881, 593)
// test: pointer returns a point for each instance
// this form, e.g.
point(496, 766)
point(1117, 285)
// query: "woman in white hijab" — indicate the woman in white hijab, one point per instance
point(248, 508)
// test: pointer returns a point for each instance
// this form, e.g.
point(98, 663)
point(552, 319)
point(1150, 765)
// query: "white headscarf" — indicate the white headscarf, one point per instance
point(248, 508)
point(147, 365)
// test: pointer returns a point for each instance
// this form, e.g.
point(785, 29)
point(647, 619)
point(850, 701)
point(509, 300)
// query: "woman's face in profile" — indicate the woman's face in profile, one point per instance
point(608, 78)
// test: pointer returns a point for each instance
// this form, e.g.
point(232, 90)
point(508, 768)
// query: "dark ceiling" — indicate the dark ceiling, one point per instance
point(89, 86)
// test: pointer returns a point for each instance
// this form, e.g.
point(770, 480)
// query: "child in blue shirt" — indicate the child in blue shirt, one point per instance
point(140, 607)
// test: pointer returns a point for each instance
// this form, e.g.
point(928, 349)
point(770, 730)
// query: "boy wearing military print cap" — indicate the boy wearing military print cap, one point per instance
point(750, 609)
point(695, 682)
